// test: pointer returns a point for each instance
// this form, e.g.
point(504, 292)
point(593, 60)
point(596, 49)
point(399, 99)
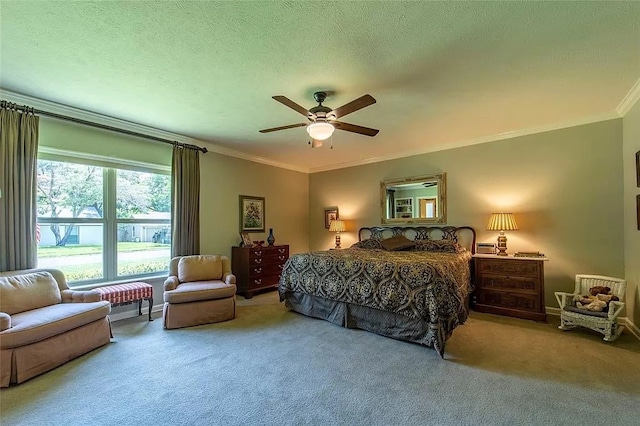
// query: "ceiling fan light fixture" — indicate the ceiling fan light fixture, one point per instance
point(320, 130)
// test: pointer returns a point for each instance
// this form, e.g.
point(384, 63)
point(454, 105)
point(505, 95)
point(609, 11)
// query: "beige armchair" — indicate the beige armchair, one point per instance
point(199, 290)
point(602, 322)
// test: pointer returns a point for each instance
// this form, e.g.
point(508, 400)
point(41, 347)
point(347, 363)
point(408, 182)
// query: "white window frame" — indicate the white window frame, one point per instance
point(109, 221)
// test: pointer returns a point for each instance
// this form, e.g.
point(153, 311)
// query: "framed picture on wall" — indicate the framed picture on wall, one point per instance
point(329, 215)
point(251, 214)
point(638, 169)
point(638, 211)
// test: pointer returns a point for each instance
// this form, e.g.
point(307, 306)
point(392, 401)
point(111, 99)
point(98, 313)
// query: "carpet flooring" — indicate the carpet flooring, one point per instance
point(270, 366)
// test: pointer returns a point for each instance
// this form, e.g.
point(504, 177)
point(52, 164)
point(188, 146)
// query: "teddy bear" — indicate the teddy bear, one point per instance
point(597, 300)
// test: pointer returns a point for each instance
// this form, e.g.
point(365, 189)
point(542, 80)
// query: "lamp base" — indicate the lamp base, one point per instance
point(502, 244)
point(337, 241)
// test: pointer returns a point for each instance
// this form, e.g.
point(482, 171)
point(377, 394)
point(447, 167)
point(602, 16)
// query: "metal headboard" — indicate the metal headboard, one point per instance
point(464, 235)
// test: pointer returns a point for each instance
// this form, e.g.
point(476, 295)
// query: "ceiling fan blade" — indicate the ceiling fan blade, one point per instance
point(361, 102)
point(354, 128)
point(290, 126)
point(294, 106)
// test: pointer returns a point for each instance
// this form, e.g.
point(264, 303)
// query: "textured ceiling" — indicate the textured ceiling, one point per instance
point(444, 73)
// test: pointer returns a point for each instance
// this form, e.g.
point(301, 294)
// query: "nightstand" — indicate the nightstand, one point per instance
point(512, 286)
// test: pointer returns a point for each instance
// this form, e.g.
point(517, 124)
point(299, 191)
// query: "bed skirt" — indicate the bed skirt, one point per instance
point(373, 320)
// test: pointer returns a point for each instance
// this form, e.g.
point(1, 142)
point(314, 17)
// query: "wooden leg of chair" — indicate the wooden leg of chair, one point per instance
point(150, 305)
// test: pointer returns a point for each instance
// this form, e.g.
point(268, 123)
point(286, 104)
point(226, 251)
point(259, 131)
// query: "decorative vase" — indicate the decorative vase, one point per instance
point(271, 239)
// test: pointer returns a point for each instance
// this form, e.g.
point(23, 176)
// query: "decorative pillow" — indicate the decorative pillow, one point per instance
point(443, 246)
point(399, 242)
point(199, 268)
point(20, 293)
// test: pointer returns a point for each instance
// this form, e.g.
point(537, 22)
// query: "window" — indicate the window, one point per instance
point(99, 223)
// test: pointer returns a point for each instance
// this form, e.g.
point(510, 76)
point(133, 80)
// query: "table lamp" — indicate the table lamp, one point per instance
point(337, 226)
point(502, 222)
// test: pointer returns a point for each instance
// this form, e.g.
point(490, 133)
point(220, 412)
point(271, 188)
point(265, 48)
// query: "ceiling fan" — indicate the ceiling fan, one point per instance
point(324, 119)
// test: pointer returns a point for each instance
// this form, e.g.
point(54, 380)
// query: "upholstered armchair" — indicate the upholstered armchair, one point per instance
point(606, 323)
point(199, 290)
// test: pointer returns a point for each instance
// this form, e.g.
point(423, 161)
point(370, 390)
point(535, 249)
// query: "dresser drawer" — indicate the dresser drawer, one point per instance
point(520, 283)
point(270, 258)
point(257, 283)
point(509, 300)
point(273, 268)
point(508, 267)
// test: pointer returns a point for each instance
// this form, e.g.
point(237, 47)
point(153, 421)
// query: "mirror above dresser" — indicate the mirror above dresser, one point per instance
point(418, 199)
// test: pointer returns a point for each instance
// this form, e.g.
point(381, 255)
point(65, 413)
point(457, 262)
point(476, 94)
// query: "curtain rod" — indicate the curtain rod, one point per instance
point(30, 110)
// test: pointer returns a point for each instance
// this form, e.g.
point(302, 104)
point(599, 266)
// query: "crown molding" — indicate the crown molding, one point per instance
point(493, 138)
point(135, 127)
point(629, 100)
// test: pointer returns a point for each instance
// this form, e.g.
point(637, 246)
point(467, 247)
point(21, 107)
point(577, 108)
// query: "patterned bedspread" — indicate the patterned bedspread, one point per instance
point(429, 286)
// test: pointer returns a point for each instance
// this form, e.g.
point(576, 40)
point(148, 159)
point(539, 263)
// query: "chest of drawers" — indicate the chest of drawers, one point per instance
point(512, 286)
point(258, 268)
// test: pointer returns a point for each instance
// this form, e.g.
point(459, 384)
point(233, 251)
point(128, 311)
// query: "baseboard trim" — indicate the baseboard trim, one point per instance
point(621, 320)
point(134, 313)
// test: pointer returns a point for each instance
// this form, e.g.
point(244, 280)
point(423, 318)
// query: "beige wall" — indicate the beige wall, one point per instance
point(564, 186)
point(286, 194)
point(89, 140)
point(631, 145)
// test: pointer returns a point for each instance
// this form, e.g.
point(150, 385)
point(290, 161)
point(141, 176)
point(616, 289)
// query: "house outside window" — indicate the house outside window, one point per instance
point(99, 223)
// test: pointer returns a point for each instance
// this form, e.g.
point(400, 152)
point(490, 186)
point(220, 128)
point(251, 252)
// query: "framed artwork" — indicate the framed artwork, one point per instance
point(638, 211)
point(246, 239)
point(329, 215)
point(251, 214)
point(638, 169)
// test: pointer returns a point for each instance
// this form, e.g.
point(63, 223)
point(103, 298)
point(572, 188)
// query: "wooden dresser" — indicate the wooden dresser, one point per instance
point(512, 286)
point(258, 268)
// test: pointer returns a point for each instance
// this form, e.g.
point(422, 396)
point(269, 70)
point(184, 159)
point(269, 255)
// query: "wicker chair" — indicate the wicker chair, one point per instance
point(602, 322)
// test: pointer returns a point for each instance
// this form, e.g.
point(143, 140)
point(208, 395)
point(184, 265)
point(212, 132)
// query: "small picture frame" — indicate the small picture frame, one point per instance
point(251, 214)
point(246, 240)
point(329, 215)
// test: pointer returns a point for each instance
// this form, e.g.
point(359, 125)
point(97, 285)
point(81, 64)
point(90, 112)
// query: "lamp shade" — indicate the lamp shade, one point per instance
point(337, 226)
point(320, 130)
point(502, 222)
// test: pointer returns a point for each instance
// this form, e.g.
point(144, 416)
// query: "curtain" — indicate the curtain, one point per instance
point(185, 202)
point(18, 177)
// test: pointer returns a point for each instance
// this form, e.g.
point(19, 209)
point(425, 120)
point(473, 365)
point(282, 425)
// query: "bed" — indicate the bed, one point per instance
point(408, 283)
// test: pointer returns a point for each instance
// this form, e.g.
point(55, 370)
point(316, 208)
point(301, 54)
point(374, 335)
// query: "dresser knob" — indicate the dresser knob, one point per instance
point(258, 270)
point(258, 253)
point(282, 257)
point(258, 281)
point(258, 260)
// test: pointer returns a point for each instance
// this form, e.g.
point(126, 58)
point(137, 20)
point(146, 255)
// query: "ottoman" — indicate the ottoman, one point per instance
point(125, 294)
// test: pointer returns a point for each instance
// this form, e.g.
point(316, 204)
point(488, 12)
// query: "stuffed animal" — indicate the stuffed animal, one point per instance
point(594, 306)
point(599, 289)
point(597, 300)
